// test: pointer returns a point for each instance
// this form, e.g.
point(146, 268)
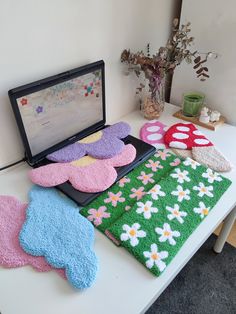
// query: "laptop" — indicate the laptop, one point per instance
point(59, 110)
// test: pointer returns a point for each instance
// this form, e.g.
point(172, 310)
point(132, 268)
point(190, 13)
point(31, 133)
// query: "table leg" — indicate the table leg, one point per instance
point(225, 230)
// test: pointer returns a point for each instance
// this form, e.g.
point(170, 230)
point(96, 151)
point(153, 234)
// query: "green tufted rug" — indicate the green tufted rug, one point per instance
point(154, 209)
point(157, 226)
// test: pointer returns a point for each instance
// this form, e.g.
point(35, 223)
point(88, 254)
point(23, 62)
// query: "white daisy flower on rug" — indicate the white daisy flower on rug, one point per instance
point(156, 191)
point(146, 209)
point(181, 176)
point(181, 194)
point(202, 210)
point(167, 234)
point(132, 234)
point(211, 176)
point(204, 190)
point(190, 162)
point(176, 213)
point(155, 257)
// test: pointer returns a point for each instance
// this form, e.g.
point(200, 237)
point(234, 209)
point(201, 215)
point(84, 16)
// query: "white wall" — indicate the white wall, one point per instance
point(213, 26)
point(46, 37)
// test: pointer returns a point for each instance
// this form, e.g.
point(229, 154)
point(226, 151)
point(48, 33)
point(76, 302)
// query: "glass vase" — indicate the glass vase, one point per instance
point(153, 105)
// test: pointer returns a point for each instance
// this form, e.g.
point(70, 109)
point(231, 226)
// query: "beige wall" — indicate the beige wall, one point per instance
point(213, 26)
point(42, 38)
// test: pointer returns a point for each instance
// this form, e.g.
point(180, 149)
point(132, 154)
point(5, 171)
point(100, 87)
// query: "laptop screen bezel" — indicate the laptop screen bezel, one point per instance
point(36, 86)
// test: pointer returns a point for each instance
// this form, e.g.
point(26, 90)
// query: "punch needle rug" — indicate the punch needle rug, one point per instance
point(12, 216)
point(86, 174)
point(55, 229)
point(156, 227)
point(153, 210)
point(103, 144)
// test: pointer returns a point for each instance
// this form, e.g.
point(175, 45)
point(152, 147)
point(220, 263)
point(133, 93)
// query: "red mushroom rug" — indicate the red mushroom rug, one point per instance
point(185, 137)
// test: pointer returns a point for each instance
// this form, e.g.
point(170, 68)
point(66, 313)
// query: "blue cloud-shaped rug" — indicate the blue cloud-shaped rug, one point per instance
point(55, 229)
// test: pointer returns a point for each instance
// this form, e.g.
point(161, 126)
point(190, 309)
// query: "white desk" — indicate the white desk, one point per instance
point(123, 285)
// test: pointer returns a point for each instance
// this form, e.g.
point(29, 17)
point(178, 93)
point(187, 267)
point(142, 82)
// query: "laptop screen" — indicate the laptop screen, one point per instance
point(60, 108)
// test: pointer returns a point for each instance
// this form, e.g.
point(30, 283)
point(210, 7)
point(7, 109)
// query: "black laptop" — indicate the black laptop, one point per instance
point(62, 109)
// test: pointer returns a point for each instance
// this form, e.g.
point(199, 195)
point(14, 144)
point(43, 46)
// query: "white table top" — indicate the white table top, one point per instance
point(123, 285)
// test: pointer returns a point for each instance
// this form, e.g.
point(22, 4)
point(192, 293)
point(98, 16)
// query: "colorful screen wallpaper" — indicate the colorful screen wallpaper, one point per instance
point(56, 113)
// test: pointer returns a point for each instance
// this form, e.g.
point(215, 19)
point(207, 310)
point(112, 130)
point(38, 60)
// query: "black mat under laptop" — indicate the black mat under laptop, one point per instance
point(62, 109)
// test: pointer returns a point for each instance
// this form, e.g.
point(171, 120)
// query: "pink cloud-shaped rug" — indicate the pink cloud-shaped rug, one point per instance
point(86, 174)
point(103, 144)
point(153, 132)
point(12, 217)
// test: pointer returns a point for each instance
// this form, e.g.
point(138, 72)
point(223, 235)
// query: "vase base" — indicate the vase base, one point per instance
point(152, 109)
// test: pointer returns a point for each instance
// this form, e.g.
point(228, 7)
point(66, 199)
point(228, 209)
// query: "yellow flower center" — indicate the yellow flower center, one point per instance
point(182, 193)
point(91, 138)
point(98, 215)
point(114, 198)
point(204, 190)
point(145, 177)
point(155, 256)
point(132, 232)
point(146, 208)
point(205, 211)
point(83, 162)
point(176, 212)
point(166, 233)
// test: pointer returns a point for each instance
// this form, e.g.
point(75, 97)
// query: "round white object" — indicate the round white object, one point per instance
point(159, 146)
point(180, 136)
point(197, 132)
point(153, 128)
point(154, 137)
point(201, 141)
point(177, 144)
point(183, 128)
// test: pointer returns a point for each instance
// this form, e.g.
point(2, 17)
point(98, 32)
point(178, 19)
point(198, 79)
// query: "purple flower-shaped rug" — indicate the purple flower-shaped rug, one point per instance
point(103, 144)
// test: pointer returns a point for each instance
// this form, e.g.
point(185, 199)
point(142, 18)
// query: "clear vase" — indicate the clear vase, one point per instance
point(153, 105)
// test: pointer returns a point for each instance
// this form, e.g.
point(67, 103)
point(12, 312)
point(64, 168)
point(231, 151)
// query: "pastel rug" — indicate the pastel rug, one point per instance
point(153, 132)
point(12, 216)
point(157, 226)
point(55, 229)
point(110, 205)
point(186, 137)
point(103, 144)
point(86, 174)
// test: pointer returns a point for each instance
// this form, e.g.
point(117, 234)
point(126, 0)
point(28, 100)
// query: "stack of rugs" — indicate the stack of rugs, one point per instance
point(150, 212)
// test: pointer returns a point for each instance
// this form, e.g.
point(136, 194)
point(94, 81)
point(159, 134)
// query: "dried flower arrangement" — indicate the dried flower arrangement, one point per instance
point(165, 61)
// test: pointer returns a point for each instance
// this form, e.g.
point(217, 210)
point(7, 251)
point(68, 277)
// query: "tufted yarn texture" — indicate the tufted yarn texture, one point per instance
point(12, 216)
point(157, 226)
point(153, 132)
point(55, 229)
point(119, 198)
point(103, 144)
point(87, 174)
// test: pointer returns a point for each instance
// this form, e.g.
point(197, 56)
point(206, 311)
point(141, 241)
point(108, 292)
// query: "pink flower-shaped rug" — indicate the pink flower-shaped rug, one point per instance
point(86, 174)
point(103, 144)
point(12, 217)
